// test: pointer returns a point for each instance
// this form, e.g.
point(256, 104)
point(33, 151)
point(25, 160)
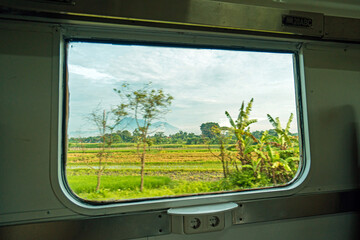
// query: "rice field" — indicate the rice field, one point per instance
point(169, 171)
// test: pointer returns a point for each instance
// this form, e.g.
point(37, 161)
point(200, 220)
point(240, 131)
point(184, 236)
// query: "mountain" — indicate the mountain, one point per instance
point(81, 133)
point(129, 124)
point(164, 127)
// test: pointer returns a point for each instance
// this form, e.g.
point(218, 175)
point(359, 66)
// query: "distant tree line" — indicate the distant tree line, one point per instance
point(180, 137)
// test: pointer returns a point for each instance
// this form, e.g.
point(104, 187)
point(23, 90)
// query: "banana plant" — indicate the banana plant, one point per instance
point(284, 140)
point(278, 164)
point(254, 166)
point(264, 140)
point(241, 129)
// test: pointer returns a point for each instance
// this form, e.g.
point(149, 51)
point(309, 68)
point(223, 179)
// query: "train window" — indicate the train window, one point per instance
point(153, 121)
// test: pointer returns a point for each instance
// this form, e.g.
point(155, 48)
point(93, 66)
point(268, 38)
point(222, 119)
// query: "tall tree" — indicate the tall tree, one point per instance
point(206, 129)
point(145, 104)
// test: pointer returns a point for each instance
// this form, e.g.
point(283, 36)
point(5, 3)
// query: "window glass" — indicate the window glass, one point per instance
point(156, 121)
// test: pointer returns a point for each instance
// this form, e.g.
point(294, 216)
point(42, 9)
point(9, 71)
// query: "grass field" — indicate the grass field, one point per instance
point(169, 171)
point(117, 187)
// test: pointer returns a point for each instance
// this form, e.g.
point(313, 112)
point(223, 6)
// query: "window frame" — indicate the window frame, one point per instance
point(165, 37)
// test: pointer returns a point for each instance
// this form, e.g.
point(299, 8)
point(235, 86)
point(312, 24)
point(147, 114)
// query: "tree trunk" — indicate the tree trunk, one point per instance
point(222, 156)
point(227, 167)
point(142, 167)
point(224, 168)
point(98, 180)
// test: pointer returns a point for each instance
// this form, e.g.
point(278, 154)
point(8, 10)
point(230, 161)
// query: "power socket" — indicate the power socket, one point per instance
point(204, 223)
point(203, 218)
point(215, 222)
point(194, 224)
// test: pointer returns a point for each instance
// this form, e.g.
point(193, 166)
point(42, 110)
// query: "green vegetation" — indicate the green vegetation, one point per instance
point(258, 162)
point(169, 172)
point(207, 130)
point(127, 187)
point(114, 183)
point(220, 159)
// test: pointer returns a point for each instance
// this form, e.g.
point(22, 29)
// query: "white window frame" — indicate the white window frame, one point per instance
point(166, 37)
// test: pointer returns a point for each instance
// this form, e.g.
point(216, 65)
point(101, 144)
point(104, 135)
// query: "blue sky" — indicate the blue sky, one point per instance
point(204, 82)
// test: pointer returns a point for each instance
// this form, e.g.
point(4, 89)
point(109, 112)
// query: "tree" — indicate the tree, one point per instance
point(206, 129)
point(124, 135)
point(100, 118)
point(148, 105)
point(116, 138)
point(159, 138)
point(223, 139)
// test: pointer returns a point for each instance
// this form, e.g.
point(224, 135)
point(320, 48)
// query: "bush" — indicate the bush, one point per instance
point(245, 179)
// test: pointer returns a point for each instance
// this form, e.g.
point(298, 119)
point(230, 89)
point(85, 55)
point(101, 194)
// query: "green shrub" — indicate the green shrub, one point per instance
point(245, 179)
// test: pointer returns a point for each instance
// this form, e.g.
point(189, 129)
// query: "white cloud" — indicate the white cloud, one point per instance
point(89, 73)
point(204, 83)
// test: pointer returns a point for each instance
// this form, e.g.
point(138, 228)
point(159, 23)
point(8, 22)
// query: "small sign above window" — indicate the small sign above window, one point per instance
point(296, 21)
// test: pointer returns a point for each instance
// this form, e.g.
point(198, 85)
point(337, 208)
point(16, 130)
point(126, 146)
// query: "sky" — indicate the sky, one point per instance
point(204, 83)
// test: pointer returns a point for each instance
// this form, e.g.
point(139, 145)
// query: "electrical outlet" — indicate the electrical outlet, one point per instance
point(200, 219)
point(215, 222)
point(194, 224)
point(204, 223)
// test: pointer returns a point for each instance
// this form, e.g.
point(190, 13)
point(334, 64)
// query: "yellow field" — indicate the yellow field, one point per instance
point(132, 157)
